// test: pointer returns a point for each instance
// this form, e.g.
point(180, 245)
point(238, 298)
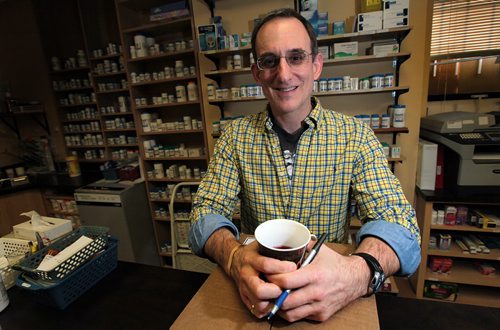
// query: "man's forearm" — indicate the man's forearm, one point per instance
point(384, 254)
point(219, 246)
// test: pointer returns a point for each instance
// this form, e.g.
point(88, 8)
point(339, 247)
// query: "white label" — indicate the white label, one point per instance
point(482, 120)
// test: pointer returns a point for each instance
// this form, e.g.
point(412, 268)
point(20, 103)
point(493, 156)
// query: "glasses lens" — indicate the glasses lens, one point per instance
point(268, 61)
point(296, 58)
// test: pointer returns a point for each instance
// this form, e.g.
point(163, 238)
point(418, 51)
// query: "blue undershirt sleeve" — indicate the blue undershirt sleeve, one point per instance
point(202, 229)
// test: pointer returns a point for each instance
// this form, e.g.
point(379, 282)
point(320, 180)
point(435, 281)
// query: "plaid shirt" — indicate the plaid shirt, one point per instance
point(334, 153)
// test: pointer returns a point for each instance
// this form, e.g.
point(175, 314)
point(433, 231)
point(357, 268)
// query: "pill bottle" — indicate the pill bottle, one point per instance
point(376, 81)
point(323, 85)
point(237, 61)
point(385, 121)
point(180, 93)
point(211, 91)
point(179, 68)
point(346, 83)
point(375, 121)
point(398, 115)
point(192, 91)
point(229, 62)
point(389, 80)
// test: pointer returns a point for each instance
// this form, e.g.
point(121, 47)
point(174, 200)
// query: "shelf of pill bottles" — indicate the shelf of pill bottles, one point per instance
point(465, 227)
point(176, 54)
point(172, 131)
point(162, 81)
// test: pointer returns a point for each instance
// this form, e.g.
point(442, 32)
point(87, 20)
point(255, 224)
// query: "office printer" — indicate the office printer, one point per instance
point(471, 146)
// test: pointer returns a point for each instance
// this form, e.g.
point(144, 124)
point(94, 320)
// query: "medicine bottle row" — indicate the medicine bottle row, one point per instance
point(121, 106)
point(109, 86)
point(93, 154)
point(181, 95)
point(61, 85)
point(218, 125)
point(111, 49)
point(70, 63)
point(147, 46)
point(119, 123)
point(236, 61)
point(168, 72)
point(347, 83)
point(84, 140)
point(165, 193)
point(174, 171)
point(109, 66)
point(391, 151)
point(123, 154)
point(77, 98)
point(87, 113)
point(152, 123)
point(234, 93)
point(90, 126)
point(121, 139)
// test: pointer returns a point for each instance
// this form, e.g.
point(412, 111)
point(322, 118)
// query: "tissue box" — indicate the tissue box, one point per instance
point(56, 229)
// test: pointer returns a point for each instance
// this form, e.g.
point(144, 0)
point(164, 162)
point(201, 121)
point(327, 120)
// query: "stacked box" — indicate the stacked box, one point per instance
point(345, 49)
point(207, 37)
point(369, 21)
point(322, 23)
point(396, 13)
point(370, 5)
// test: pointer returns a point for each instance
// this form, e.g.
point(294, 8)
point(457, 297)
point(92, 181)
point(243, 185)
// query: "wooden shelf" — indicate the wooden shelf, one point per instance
point(173, 180)
point(366, 35)
point(74, 89)
point(81, 132)
point(78, 105)
point(174, 104)
point(122, 145)
point(108, 74)
point(162, 56)
point(71, 70)
point(456, 251)
point(111, 91)
point(160, 26)
point(174, 158)
point(116, 114)
point(465, 228)
point(177, 131)
point(464, 272)
point(118, 130)
point(92, 146)
point(105, 57)
point(162, 81)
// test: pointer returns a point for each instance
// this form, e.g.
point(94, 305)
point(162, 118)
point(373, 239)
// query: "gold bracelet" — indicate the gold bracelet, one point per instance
point(230, 260)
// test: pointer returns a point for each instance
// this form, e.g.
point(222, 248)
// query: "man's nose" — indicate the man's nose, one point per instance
point(283, 69)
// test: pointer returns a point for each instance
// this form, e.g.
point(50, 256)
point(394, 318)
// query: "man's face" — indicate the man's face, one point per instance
point(287, 86)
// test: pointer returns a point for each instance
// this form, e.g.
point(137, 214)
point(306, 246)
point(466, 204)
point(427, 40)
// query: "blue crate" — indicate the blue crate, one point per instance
point(62, 292)
point(29, 264)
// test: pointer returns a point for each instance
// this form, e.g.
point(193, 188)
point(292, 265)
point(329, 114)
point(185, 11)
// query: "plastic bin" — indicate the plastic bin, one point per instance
point(61, 292)
point(29, 265)
point(13, 249)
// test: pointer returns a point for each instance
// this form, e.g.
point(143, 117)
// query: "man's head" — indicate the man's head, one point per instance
point(286, 13)
point(287, 63)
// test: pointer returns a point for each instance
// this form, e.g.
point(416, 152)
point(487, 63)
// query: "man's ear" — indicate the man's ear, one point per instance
point(317, 65)
point(256, 73)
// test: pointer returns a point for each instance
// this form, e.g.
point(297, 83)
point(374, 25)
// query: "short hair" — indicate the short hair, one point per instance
point(285, 13)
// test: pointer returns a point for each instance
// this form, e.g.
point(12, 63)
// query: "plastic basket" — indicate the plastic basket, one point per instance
point(68, 289)
point(29, 265)
point(14, 250)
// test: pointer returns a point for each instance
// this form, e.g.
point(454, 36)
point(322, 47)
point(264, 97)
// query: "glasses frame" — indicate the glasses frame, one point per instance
point(286, 57)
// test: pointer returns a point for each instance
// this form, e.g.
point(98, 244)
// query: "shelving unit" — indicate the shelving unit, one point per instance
point(474, 288)
point(172, 140)
point(61, 206)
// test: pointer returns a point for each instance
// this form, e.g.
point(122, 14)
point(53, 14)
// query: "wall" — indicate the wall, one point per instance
point(23, 66)
point(237, 16)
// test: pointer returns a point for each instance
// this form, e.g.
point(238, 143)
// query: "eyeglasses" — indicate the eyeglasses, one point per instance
point(271, 61)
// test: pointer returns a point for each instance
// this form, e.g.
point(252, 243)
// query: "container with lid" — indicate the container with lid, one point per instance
point(192, 91)
point(398, 115)
point(211, 91)
point(323, 85)
point(377, 81)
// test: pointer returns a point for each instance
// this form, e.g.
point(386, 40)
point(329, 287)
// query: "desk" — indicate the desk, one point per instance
point(143, 297)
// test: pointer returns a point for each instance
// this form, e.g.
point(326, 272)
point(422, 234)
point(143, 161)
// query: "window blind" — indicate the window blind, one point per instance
point(465, 26)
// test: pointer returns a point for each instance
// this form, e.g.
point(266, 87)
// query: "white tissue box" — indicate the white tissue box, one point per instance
point(56, 228)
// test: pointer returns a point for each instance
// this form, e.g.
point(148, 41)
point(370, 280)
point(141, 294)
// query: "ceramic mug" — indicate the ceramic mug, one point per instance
point(283, 239)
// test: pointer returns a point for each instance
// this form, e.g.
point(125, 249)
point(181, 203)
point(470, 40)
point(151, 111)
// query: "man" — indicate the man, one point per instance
point(297, 160)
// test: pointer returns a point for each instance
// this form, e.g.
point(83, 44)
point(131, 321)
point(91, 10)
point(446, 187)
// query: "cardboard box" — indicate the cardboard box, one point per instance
point(396, 22)
point(325, 51)
point(426, 165)
point(369, 21)
point(218, 305)
point(345, 49)
point(57, 228)
point(322, 23)
point(381, 49)
point(338, 27)
point(395, 5)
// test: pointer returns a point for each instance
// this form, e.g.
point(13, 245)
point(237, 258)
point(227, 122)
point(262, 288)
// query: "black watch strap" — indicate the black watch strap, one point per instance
point(377, 277)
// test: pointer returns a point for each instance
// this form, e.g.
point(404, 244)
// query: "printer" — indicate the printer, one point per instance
point(471, 147)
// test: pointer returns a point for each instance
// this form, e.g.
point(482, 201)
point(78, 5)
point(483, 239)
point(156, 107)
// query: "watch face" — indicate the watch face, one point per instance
point(377, 281)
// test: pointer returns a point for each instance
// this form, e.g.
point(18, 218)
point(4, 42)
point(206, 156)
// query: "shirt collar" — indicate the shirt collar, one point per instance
point(312, 120)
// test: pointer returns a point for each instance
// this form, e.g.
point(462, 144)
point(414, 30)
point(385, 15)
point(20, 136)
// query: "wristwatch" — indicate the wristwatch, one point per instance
point(378, 276)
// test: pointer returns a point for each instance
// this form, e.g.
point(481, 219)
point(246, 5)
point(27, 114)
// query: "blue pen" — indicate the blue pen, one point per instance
point(284, 294)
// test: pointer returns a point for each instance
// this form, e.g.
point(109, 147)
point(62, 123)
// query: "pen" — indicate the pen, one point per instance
point(284, 294)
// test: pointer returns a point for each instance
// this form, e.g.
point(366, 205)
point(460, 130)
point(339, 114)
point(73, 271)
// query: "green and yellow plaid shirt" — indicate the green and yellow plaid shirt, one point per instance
point(334, 153)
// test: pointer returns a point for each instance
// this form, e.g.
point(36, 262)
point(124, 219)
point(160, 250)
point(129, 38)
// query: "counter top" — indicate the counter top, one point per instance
point(136, 296)
point(476, 195)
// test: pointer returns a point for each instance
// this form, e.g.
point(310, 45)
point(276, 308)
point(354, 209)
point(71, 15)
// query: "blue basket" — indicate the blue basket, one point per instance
point(29, 264)
point(62, 292)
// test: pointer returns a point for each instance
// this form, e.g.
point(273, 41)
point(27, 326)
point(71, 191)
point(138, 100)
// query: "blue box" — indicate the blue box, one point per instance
point(170, 10)
point(338, 27)
point(207, 37)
